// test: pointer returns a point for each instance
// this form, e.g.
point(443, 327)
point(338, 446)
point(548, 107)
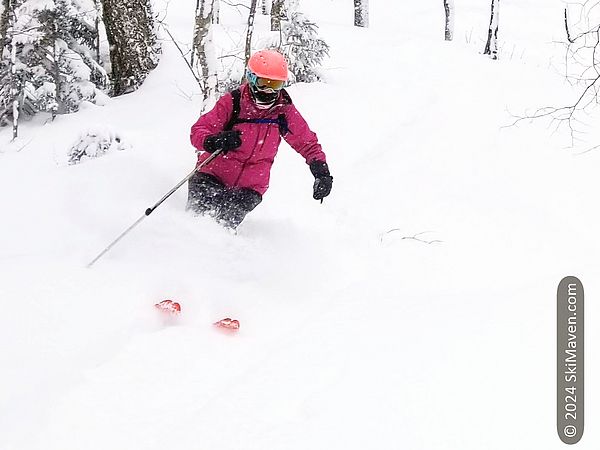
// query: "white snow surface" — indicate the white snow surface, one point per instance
point(413, 309)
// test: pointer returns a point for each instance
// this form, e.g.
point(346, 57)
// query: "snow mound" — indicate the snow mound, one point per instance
point(95, 143)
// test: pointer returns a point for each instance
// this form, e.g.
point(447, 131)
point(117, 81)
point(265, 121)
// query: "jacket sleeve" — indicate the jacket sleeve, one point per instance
point(301, 138)
point(212, 122)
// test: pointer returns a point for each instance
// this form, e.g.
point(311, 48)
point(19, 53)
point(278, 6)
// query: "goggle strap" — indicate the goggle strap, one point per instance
point(252, 77)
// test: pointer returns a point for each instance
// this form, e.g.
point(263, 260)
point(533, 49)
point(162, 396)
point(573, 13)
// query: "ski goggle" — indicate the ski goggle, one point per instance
point(264, 84)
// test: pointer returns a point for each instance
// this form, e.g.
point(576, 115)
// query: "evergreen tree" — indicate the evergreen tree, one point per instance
point(9, 86)
point(304, 50)
point(5, 8)
point(47, 59)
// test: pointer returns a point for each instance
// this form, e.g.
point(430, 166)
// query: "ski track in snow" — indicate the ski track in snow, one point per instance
point(413, 309)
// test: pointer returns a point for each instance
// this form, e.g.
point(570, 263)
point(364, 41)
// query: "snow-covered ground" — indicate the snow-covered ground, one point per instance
point(413, 309)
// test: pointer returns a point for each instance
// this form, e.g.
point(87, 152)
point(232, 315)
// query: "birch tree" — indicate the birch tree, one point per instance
point(134, 49)
point(216, 15)
point(449, 29)
point(193, 52)
point(15, 85)
point(204, 49)
point(361, 13)
point(491, 46)
point(98, 7)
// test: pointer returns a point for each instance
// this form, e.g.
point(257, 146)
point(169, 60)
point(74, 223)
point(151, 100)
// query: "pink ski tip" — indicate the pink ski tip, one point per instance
point(169, 306)
point(229, 324)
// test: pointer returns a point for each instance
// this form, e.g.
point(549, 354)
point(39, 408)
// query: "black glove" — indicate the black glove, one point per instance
point(225, 141)
point(323, 179)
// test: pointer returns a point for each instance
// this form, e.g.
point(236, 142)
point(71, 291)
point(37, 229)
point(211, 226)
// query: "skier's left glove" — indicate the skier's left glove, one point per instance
point(323, 179)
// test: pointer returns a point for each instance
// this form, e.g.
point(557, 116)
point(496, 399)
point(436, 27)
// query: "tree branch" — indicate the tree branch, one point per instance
point(165, 27)
point(413, 237)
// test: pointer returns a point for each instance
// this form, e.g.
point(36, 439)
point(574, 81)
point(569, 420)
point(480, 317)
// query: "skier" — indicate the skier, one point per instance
point(246, 126)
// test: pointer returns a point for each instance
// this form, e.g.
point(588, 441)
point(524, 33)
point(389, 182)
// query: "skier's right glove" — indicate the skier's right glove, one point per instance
point(224, 141)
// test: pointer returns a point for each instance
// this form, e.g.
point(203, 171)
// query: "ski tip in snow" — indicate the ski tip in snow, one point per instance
point(228, 324)
point(169, 307)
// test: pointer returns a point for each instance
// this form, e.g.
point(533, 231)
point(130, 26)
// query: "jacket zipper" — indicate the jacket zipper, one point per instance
point(254, 148)
point(252, 154)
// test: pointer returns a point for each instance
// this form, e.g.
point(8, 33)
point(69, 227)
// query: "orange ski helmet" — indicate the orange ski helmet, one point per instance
point(269, 64)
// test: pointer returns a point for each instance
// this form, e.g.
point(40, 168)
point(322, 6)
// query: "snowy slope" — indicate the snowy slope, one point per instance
point(413, 309)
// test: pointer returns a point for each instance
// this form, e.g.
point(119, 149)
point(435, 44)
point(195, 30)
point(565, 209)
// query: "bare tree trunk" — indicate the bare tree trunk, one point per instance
point(264, 8)
point(449, 30)
point(204, 48)
point(277, 9)
point(491, 46)
point(133, 44)
point(251, 16)
point(361, 13)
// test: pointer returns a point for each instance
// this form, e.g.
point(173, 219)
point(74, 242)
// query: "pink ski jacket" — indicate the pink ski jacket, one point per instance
point(249, 165)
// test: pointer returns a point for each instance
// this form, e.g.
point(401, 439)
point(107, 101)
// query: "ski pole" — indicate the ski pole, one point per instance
point(150, 210)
